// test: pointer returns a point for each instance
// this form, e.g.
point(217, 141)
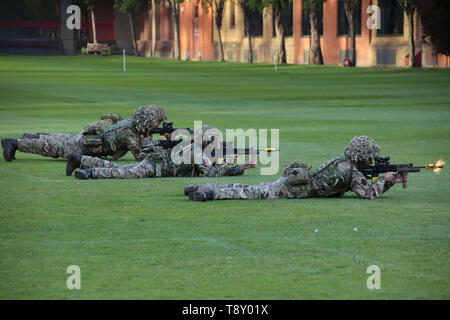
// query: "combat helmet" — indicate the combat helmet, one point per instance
point(362, 148)
point(148, 117)
point(159, 112)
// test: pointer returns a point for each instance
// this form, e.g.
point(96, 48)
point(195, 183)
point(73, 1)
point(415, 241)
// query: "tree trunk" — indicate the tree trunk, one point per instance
point(153, 27)
point(133, 37)
point(315, 55)
point(250, 49)
point(412, 56)
point(221, 46)
point(218, 8)
point(94, 29)
point(279, 29)
point(350, 10)
point(353, 43)
point(176, 37)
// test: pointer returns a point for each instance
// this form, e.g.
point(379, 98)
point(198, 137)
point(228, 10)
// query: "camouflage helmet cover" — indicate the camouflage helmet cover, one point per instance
point(148, 117)
point(159, 112)
point(362, 148)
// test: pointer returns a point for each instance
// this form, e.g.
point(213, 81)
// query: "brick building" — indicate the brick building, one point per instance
point(42, 29)
point(387, 46)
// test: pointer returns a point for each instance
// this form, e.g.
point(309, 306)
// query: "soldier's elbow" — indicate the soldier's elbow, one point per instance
point(367, 195)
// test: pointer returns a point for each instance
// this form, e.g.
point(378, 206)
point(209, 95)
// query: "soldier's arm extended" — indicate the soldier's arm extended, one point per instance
point(211, 169)
point(219, 170)
point(133, 145)
point(138, 154)
point(364, 189)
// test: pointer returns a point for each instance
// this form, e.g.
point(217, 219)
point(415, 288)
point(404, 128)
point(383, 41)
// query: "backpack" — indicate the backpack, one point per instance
point(92, 134)
point(297, 173)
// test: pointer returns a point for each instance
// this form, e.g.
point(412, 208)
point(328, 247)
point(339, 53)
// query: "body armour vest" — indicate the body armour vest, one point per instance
point(113, 137)
point(329, 180)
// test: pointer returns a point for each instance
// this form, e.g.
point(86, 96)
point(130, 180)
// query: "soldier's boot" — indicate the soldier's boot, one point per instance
point(73, 162)
point(84, 174)
point(9, 149)
point(190, 188)
point(201, 195)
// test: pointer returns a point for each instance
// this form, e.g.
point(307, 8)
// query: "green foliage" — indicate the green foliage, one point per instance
point(218, 8)
point(130, 6)
point(408, 5)
point(142, 238)
point(113, 48)
point(248, 6)
point(89, 4)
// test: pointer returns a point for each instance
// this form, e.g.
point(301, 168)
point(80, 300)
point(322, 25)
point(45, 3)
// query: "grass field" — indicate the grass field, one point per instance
point(142, 239)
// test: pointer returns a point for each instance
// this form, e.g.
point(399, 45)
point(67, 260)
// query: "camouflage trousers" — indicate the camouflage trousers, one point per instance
point(265, 190)
point(57, 145)
point(237, 190)
point(105, 169)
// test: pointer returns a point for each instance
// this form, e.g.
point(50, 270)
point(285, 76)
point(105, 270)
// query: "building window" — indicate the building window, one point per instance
point(256, 24)
point(391, 18)
point(343, 27)
point(232, 16)
point(287, 22)
point(306, 25)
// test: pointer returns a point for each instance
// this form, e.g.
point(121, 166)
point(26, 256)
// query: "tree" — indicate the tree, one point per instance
point(434, 15)
point(247, 8)
point(153, 27)
point(90, 5)
point(174, 4)
point(281, 10)
point(410, 7)
point(315, 52)
point(132, 8)
point(350, 11)
point(176, 27)
point(218, 7)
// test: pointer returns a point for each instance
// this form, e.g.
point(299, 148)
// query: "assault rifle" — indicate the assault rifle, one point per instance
point(382, 165)
point(227, 148)
point(166, 129)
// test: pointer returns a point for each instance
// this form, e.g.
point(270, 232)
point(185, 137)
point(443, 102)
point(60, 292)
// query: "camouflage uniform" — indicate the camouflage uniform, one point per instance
point(156, 164)
point(52, 145)
point(110, 136)
point(332, 179)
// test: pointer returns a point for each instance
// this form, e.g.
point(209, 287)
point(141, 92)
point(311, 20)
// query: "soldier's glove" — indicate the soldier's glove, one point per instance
point(401, 177)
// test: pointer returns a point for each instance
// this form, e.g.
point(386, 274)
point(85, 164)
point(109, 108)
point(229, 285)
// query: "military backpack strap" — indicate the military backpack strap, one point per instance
point(324, 165)
point(119, 125)
point(109, 134)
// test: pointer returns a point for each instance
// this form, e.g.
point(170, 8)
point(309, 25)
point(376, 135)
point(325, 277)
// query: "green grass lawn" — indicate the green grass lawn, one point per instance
point(142, 239)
